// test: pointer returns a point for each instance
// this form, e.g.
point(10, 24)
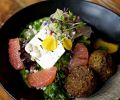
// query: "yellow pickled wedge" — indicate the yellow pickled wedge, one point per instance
point(112, 48)
point(67, 43)
point(50, 43)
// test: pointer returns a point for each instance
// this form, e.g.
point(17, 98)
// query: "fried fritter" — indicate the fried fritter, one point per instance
point(80, 82)
point(101, 62)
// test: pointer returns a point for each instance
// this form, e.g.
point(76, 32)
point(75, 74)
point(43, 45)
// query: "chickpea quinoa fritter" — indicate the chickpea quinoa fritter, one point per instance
point(80, 82)
point(101, 62)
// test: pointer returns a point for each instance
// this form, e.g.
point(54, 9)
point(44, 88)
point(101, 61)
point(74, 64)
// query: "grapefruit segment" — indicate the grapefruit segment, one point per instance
point(14, 54)
point(42, 78)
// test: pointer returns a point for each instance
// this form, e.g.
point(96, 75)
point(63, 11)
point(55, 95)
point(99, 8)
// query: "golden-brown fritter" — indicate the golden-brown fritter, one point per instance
point(101, 62)
point(80, 82)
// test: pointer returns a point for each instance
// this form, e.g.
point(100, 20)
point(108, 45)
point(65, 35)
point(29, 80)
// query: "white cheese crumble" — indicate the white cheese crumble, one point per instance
point(46, 59)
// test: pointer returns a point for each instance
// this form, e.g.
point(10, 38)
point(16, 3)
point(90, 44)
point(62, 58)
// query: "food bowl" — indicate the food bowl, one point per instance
point(101, 19)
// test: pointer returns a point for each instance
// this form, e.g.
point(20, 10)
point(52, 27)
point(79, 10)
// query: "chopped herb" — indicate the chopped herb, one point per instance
point(85, 40)
point(54, 91)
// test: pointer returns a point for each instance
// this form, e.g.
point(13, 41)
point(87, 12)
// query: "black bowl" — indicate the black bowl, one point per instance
point(102, 19)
